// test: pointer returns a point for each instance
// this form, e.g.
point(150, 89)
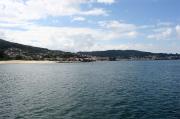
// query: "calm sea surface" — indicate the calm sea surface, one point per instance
point(98, 90)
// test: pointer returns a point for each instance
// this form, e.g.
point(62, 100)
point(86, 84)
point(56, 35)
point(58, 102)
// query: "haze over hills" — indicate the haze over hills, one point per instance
point(15, 51)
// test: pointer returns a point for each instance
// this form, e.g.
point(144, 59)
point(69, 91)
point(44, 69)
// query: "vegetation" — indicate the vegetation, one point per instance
point(15, 51)
point(113, 55)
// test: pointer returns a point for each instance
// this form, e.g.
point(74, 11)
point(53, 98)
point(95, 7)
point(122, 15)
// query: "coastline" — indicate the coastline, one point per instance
point(26, 62)
point(53, 62)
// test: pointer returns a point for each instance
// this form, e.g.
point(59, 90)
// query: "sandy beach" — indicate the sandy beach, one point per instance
point(26, 62)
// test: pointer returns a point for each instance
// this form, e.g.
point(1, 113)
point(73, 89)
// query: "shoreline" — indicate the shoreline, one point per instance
point(54, 62)
point(27, 62)
point(35, 62)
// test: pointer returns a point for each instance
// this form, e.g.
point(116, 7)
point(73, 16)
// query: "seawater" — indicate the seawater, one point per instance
point(97, 90)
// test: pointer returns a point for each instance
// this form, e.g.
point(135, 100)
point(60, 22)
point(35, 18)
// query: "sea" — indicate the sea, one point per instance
point(95, 90)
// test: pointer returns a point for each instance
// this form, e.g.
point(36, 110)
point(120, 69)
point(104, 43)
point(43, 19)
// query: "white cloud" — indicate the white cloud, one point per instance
point(161, 34)
point(18, 25)
point(79, 39)
point(2, 35)
point(120, 28)
point(79, 19)
point(70, 39)
point(165, 24)
point(106, 1)
point(171, 48)
point(132, 46)
point(146, 26)
point(95, 11)
point(128, 46)
point(116, 25)
point(20, 10)
point(178, 31)
point(64, 38)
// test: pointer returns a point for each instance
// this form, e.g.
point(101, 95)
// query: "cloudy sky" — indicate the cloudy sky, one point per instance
point(87, 25)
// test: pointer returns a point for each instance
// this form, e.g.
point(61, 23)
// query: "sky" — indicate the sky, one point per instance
point(93, 25)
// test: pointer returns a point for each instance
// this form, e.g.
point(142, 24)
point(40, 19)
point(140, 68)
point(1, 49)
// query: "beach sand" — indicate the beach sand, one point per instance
point(26, 62)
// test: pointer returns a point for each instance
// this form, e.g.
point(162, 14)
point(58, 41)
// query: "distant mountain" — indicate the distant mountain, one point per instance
point(10, 50)
point(4, 45)
point(15, 51)
point(117, 53)
point(131, 54)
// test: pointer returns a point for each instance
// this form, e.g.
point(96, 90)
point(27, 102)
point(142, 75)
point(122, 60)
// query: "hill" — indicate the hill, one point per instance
point(15, 51)
point(130, 54)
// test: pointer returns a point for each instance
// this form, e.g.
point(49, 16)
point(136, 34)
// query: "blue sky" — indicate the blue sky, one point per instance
point(88, 25)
